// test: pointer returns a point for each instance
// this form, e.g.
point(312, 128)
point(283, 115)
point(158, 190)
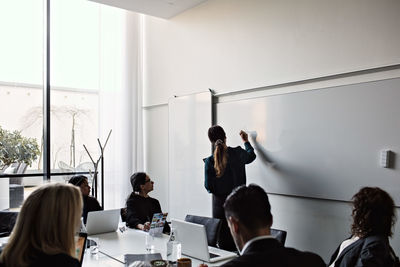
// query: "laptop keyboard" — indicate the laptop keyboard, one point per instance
point(212, 255)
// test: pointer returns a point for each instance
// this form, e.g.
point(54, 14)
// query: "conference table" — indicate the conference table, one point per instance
point(113, 246)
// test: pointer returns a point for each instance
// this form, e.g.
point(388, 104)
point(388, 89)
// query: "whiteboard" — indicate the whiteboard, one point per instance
point(323, 143)
point(189, 118)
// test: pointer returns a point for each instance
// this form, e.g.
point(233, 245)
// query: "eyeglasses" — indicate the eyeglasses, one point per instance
point(85, 184)
point(147, 181)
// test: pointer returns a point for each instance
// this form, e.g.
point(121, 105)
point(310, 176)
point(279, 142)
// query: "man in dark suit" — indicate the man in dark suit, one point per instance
point(249, 217)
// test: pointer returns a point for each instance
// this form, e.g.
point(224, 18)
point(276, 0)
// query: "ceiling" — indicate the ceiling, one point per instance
point(158, 8)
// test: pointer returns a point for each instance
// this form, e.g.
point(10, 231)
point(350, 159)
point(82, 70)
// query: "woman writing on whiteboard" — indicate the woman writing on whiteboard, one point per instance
point(224, 171)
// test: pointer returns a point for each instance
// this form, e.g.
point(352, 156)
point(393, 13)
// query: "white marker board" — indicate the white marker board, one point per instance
point(189, 119)
point(325, 143)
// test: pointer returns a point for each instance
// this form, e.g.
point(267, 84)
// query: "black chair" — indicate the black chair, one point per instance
point(7, 222)
point(123, 214)
point(212, 225)
point(280, 235)
point(16, 195)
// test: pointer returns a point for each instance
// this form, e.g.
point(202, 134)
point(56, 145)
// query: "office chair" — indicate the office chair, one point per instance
point(123, 214)
point(280, 235)
point(212, 225)
point(7, 222)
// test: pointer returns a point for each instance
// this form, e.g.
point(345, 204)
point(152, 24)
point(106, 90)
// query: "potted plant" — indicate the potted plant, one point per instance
point(15, 148)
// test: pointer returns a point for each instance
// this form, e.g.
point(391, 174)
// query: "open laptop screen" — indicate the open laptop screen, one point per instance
point(102, 221)
point(80, 246)
point(157, 223)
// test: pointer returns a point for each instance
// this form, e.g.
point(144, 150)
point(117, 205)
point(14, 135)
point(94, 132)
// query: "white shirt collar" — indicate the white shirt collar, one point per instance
point(254, 240)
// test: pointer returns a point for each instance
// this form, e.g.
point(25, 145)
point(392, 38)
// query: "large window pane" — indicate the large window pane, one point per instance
point(21, 93)
point(75, 84)
point(92, 75)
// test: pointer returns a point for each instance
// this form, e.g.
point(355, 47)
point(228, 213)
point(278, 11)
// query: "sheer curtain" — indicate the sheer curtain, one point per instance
point(120, 101)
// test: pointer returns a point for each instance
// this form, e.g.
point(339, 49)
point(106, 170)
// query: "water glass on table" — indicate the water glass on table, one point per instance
point(149, 242)
point(93, 245)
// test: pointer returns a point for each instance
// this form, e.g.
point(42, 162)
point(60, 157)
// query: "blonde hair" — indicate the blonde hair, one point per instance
point(47, 223)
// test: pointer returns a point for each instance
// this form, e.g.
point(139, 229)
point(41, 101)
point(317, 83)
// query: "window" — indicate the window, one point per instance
point(89, 92)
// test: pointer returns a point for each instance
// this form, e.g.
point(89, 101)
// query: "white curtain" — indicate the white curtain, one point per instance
point(120, 101)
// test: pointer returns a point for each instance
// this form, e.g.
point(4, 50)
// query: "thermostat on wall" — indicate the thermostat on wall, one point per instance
point(385, 158)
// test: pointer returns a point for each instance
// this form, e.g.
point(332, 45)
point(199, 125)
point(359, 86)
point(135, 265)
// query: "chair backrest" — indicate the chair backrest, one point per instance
point(123, 214)
point(7, 222)
point(212, 225)
point(280, 235)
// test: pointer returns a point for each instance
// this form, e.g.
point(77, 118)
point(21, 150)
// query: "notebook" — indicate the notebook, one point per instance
point(193, 238)
point(102, 221)
point(157, 223)
point(141, 259)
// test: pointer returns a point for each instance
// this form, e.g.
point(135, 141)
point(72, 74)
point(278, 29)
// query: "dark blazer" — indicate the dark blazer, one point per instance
point(89, 204)
point(235, 172)
point(140, 210)
point(369, 251)
point(59, 260)
point(270, 253)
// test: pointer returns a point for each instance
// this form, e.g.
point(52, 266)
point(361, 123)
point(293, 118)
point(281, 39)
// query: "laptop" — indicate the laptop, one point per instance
point(157, 224)
point(102, 221)
point(80, 246)
point(193, 238)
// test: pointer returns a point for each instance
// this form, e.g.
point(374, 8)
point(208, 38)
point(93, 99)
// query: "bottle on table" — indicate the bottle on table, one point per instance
point(173, 247)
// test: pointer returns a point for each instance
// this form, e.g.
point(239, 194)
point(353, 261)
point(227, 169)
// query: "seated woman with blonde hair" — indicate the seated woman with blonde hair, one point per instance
point(44, 234)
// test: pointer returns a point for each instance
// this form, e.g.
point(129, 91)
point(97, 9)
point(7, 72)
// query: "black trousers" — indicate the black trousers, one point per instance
point(225, 240)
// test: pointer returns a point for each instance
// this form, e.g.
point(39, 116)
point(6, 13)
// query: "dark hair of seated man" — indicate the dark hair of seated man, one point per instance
point(248, 212)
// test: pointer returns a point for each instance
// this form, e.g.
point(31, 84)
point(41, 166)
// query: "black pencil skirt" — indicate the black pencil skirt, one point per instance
point(225, 240)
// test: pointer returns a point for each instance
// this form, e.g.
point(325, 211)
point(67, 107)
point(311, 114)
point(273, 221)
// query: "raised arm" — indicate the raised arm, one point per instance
point(248, 154)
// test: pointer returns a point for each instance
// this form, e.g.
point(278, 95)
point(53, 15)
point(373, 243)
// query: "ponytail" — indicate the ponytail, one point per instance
point(220, 157)
point(217, 136)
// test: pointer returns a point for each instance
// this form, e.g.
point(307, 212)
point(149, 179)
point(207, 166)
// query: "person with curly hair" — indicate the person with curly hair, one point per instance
point(373, 219)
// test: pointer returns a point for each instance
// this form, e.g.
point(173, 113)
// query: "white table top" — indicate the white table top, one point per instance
point(131, 241)
point(113, 246)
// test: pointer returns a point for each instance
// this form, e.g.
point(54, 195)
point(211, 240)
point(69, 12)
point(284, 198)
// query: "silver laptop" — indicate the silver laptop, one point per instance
point(102, 221)
point(193, 238)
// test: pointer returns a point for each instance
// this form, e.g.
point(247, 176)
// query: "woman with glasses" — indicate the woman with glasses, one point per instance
point(140, 207)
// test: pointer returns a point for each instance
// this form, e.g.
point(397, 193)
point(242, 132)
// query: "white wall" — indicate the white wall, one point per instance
point(155, 124)
point(233, 45)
